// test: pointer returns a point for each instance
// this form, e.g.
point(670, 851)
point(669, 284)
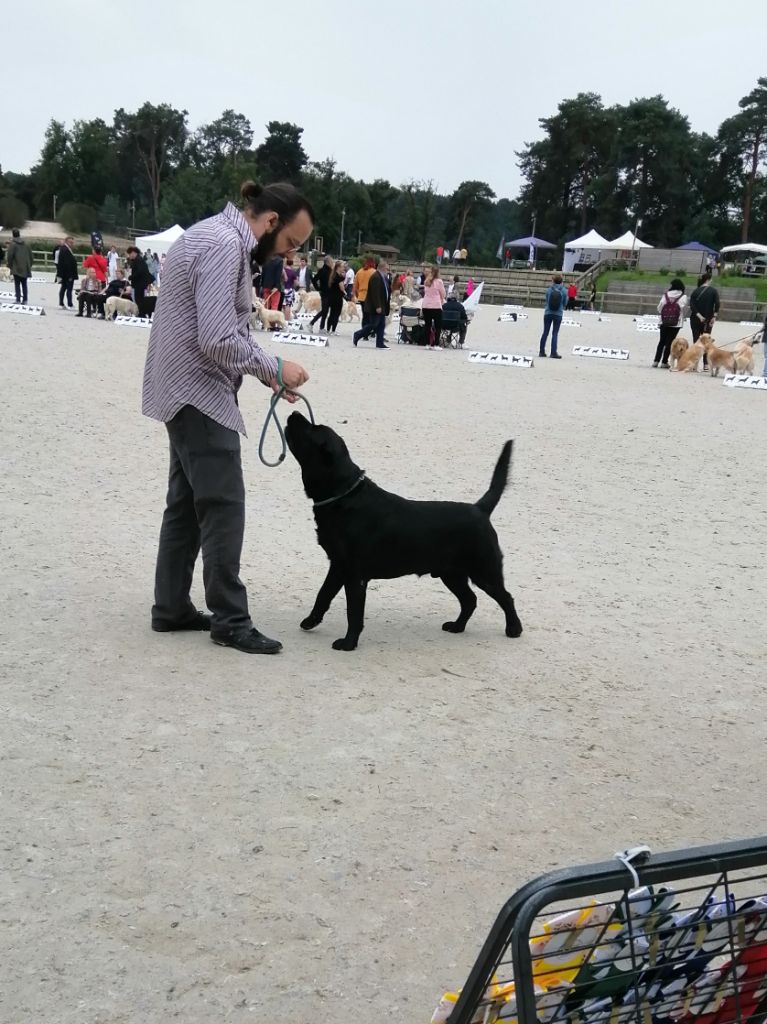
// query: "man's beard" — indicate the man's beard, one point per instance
point(263, 252)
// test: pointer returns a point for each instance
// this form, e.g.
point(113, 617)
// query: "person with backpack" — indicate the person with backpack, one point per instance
point(556, 299)
point(704, 306)
point(671, 310)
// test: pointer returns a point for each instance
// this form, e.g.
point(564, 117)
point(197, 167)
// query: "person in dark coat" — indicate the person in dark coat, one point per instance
point(376, 306)
point(140, 278)
point(321, 282)
point(336, 296)
point(66, 271)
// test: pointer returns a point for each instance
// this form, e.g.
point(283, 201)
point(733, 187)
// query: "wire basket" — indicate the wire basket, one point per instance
point(686, 945)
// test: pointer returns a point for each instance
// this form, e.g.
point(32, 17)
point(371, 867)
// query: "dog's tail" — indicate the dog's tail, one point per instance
point(490, 499)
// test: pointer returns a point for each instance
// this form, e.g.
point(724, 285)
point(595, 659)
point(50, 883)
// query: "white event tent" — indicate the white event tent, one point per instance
point(585, 249)
point(755, 248)
point(628, 241)
point(161, 242)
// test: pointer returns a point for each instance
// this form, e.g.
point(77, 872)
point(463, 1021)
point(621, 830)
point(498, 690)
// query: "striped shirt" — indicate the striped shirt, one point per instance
point(200, 344)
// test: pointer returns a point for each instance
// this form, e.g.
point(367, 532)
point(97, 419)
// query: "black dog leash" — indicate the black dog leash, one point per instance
point(272, 414)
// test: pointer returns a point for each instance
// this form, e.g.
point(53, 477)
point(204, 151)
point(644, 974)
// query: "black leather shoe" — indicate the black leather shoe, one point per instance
point(200, 623)
point(249, 641)
point(555, 355)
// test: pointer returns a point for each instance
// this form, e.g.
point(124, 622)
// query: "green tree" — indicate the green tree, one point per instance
point(419, 208)
point(13, 213)
point(229, 137)
point(93, 160)
point(281, 156)
point(188, 197)
point(744, 136)
point(157, 135)
point(469, 196)
point(54, 173)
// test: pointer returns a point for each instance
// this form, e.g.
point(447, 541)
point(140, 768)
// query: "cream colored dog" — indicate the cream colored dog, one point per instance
point(115, 305)
point(308, 302)
point(266, 318)
point(744, 357)
point(5, 274)
point(678, 347)
point(351, 311)
point(688, 361)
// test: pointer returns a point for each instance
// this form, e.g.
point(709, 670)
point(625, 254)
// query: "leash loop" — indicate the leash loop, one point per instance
point(272, 414)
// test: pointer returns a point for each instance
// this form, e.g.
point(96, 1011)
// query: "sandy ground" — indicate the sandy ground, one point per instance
point(191, 833)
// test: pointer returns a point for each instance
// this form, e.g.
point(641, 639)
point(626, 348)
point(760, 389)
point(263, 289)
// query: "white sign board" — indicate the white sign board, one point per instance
point(500, 359)
point(8, 295)
point(16, 307)
point(751, 323)
point(511, 318)
point(288, 338)
point(589, 312)
point(132, 321)
point(599, 352)
point(301, 318)
point(646, 327)
point(569, 322)
point(739, 380)
point(41, 280)
point(512, 306)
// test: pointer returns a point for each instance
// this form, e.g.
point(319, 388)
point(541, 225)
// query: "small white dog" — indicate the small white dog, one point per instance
point(5, 274)
point(115, 305)
point(308, 302)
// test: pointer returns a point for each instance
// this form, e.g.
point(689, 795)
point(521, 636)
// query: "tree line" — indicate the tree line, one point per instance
point(594, 166)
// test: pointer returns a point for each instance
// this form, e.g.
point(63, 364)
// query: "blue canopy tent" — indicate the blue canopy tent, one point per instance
point(699, 247)
point(529, 242)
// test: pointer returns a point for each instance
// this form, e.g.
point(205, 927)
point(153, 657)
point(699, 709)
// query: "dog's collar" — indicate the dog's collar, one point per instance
point(337, 497)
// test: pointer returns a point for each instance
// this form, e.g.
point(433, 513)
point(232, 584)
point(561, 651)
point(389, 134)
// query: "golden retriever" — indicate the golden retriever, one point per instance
point(351, 311)
point(744, 358)
point(266, 318)
point(689, 359)
point(717, 357)
point(678, 347)
point(115, 305)
point(308, 302)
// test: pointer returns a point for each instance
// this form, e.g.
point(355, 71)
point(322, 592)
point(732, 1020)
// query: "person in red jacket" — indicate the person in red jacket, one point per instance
point(99, 263)
point(572, 291)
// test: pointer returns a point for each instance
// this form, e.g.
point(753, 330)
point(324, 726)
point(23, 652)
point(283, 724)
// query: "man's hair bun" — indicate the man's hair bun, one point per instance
point(250, 190)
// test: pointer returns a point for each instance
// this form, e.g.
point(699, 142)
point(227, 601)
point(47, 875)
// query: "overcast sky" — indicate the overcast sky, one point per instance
point(446, 90)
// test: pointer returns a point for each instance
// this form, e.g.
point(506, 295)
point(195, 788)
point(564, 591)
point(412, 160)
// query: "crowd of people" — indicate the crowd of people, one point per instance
point(105, 278)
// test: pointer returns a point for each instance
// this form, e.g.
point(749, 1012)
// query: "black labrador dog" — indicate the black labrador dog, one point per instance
point(368, 533)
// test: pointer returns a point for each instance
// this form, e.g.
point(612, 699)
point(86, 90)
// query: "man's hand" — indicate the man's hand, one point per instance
point(293, 376)
point(379, 311)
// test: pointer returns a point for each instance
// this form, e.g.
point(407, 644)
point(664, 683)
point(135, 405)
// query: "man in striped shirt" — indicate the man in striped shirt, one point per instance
point(199, 349)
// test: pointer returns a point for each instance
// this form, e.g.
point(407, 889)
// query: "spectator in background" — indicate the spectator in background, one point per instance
point(453, 305)
point(361, 281)
point(119, 288)
point(671, 310)
point(336, 296)
point(290, 278)
point(272, 283)
point(90, 289)
point(140, 278)
point(704, 306)
point(456, 256)
point(431, 307)
point(349, 282)
point(304, 275)
point(113, 261)
point(593, 295)
point(408, 285)
point(97, 261)
point(556, 299)
point(376, 307)
point(440, 251)
point(20, 265)
point(321, 282)
point(454, 288)
point(66, 271)
point(469, 287)
point(464, 255)
point(572, 291)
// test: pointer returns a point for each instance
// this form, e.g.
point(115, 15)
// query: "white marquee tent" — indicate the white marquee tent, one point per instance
point(585, 249)
point(628, 241)
point(161, 242)
point(750, 247)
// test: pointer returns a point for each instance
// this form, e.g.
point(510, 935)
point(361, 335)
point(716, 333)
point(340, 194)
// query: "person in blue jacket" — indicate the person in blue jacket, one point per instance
point(556, 299)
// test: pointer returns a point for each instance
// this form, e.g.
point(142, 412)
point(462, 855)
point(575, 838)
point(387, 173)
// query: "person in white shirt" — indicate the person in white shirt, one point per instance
point(304, 275)
point(113, 261)
point(457, 256)
point(349, 282)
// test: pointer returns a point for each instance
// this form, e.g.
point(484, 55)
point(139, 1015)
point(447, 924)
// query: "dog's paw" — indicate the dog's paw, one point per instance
point(310, 622)
point(344, 644)
point(514, 629)
point(453, 627)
